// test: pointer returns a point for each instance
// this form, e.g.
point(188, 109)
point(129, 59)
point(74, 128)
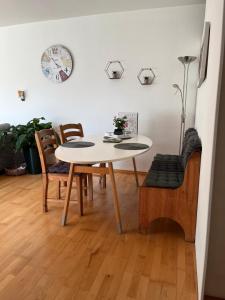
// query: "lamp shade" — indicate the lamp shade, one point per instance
point(186, 59)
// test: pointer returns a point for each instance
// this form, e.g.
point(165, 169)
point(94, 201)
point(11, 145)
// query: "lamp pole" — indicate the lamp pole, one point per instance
point(186, 61)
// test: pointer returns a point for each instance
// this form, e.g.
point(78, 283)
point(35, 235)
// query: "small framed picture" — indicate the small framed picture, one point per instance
point(204, 54)
point(132, 121)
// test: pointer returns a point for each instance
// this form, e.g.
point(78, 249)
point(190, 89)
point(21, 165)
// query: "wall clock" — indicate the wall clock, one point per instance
point(57, 63)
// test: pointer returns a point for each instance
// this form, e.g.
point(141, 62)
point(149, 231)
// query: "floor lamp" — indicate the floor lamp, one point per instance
point(186, 61)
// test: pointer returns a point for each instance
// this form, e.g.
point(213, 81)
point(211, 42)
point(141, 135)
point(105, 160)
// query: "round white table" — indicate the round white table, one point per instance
point(99, 153)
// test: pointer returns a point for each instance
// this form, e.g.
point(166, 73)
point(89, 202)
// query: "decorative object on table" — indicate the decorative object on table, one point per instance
point(114, 69)
point(203, 61)
point(120, 124)
point(21, 95)
point(124, 136)
point(108, 139)
point(146, 76)
point(132, 146)
point(24, 140)
point(186, 61)
point(79, 144)
point(57, 63)
point(132, 121)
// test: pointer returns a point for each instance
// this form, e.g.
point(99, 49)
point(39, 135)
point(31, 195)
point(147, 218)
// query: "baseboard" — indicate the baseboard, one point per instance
point(212, 298)
point(129, 172)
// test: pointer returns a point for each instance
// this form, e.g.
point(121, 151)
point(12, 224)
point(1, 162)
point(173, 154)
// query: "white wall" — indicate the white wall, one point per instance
point(206, 123)
point(139, 39)
point(215, 274)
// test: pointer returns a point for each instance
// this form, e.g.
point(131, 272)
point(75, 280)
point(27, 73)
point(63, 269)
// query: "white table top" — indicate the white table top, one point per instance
point(100, 152)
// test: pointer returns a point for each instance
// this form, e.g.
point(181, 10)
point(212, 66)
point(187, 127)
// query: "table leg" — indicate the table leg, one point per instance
point(115, 198)
point(68, 193)
point(135, 171)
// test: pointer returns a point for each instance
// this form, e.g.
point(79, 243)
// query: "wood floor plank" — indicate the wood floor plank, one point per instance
point(87, 259)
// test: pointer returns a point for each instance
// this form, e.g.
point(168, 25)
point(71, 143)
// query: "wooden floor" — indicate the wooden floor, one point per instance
point(87, 259)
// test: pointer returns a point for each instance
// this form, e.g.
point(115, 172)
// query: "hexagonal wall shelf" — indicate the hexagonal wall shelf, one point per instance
point(146, 76)
point(114, 69)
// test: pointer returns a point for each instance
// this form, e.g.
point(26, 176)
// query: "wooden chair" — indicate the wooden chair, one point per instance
point(69, 132)
point(47, 143)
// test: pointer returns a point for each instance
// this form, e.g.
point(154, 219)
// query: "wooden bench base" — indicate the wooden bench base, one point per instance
point(178, 204)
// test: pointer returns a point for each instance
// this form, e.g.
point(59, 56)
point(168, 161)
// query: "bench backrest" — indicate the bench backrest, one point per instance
point(191, 144)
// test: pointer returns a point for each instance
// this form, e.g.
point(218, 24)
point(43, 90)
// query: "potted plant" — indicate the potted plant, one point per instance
point(11, 160)
point(120, 124)
point(25, 141)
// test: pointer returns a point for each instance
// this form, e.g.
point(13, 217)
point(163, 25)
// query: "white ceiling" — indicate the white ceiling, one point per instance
point(24, 11)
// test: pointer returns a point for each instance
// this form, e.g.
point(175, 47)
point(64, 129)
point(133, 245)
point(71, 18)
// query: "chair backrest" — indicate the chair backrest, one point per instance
point(46, 143)
point(69, 131)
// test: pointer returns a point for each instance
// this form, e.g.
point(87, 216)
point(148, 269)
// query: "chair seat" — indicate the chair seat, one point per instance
point(59, 168)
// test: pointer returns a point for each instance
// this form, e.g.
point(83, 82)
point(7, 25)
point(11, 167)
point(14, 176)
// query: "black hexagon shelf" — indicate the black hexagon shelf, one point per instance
point(114, 69)
point(146, 76)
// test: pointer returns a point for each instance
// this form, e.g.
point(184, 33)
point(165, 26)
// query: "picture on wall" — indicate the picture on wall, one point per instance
point(204, 54)
point(132, 121)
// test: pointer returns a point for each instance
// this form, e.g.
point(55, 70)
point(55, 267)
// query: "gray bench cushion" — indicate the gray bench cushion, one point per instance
point(168, 166)
point(164, 179)
point(167, 157)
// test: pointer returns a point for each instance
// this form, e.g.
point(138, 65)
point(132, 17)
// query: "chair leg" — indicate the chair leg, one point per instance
point(90, 186)
point(135, 172)
point(58, 191)
point(102, 180)
point(45, 193)
point(85, 184)
point(80, 193)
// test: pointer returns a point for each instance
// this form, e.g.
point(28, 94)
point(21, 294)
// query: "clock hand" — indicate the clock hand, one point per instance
point(58, 66)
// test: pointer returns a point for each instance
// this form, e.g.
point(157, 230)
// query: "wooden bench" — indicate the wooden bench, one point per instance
point(170, 189)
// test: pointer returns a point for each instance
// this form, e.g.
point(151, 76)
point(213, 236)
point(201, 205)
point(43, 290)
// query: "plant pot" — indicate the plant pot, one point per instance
point(118, 131)
point(32, 160)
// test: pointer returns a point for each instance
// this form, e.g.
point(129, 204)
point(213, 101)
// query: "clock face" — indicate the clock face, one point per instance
point(57, 63)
